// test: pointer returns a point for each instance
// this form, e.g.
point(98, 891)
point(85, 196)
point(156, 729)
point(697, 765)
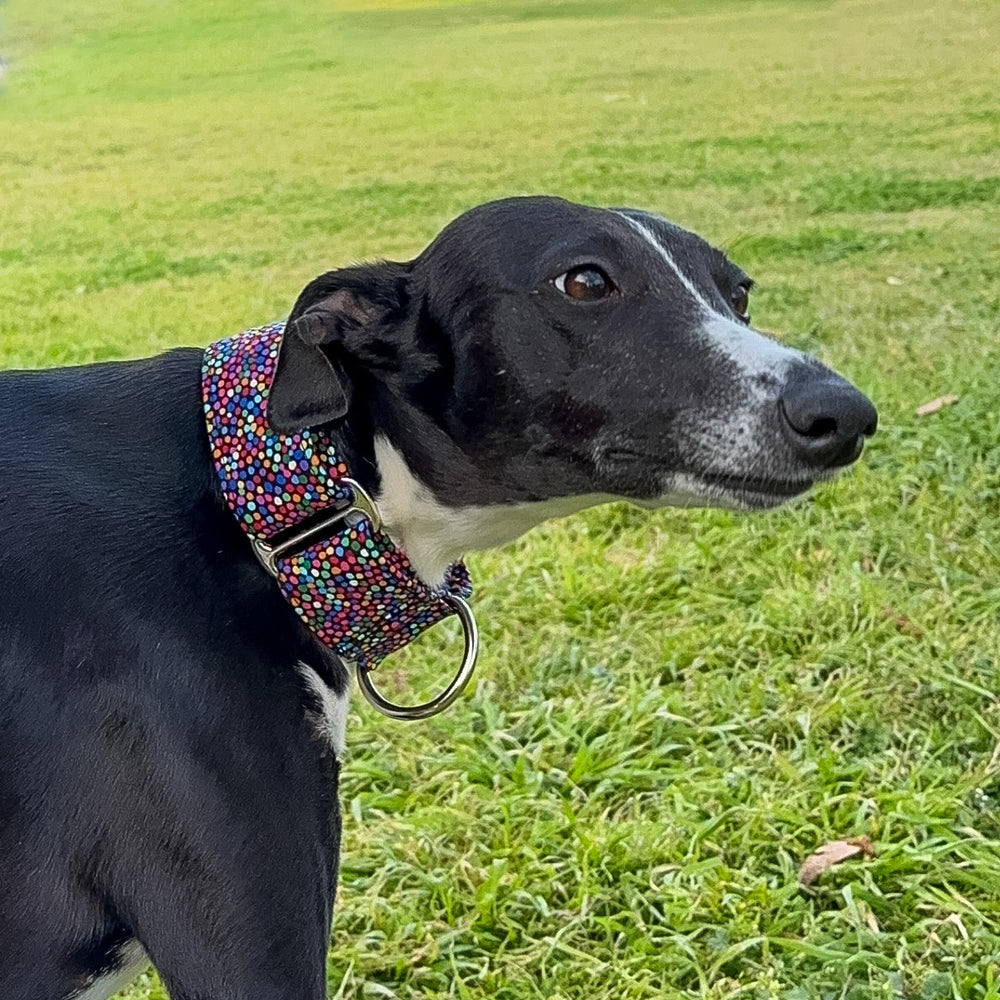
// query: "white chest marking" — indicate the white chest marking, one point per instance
point(330, 722)
point(133, 961)
point(434, 536)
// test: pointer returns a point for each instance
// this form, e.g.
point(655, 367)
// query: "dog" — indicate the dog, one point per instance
point(170, 732)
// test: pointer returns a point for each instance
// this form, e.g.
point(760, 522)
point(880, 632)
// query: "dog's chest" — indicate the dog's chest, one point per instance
point(326, 710)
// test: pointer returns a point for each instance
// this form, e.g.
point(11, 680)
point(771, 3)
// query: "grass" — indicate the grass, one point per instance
point(673, 710)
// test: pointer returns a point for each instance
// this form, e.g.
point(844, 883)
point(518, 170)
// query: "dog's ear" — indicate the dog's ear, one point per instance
point(335, 315)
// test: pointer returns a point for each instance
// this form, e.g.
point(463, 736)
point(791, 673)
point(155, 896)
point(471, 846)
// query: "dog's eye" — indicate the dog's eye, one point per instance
point(586, 283)
point(741, 302)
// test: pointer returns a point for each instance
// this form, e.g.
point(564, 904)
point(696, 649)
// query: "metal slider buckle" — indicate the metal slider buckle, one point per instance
point(360, 503)
point(441, 701)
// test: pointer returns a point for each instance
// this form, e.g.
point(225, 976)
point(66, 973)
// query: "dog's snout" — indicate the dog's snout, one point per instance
point(825, 418)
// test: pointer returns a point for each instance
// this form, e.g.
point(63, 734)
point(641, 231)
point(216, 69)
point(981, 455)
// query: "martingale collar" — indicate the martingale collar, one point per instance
point(313, 528)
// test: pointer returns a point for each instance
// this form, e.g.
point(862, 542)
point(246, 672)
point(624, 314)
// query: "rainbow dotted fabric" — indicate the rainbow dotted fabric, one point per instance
point(356, 590)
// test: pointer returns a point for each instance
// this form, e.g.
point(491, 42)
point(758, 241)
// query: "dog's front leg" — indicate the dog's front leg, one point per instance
point(228, 883)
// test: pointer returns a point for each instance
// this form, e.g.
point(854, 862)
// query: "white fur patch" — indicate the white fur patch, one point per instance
point(751, 351)
point(134, 960)
point(331, 721)
point(433, 536)
point(661, 250)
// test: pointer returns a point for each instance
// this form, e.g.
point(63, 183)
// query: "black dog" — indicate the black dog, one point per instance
point(169, 731)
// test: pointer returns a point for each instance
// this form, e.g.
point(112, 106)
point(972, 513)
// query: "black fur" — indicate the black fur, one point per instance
point(153, 755)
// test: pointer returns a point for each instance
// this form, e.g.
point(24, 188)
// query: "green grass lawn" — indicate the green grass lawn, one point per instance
point(672, 710)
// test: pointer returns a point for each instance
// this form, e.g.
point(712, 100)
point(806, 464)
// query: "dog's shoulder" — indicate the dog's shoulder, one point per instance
point(119, 551)
point(63, 430)
point(106, 479)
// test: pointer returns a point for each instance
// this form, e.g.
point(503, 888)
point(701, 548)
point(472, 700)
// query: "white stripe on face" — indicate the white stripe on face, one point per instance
point(751, 351)
point(647, 234)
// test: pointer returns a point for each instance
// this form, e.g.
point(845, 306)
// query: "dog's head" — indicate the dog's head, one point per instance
point(542, 350)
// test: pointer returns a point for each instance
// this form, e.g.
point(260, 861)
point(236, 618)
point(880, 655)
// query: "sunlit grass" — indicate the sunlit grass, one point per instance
point(673, 710)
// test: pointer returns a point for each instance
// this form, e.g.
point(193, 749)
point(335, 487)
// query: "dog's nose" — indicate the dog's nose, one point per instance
point(825, 418)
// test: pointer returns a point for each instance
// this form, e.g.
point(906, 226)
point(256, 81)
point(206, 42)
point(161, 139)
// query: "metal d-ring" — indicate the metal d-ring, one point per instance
point(439, 702)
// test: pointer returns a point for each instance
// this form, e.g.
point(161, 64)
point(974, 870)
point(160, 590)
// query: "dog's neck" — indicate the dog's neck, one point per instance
point(434, 535)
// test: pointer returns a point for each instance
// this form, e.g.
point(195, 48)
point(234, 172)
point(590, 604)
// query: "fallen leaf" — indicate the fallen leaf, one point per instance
point(935, 404)
point(903, 624)
point(832, 854)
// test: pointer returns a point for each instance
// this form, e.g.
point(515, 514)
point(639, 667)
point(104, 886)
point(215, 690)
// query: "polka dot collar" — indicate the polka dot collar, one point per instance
point(353, 587)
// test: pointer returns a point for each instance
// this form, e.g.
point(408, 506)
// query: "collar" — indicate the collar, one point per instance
point(313, 528)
